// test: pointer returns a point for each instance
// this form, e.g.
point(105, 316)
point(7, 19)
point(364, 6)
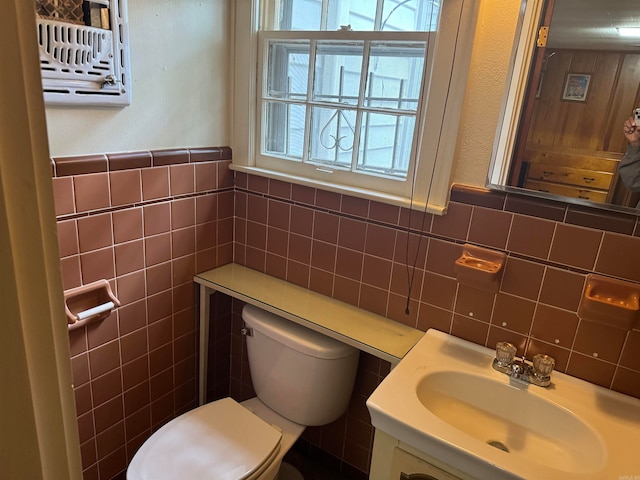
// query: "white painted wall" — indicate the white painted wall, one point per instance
point(180, 92)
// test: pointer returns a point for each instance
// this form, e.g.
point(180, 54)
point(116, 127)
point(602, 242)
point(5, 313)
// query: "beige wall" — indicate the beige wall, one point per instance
point(179, 61)
point(179, 96)
point(487, 81)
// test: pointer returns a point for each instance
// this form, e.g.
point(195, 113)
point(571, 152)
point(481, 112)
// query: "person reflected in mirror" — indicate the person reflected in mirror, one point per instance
point(629, 166)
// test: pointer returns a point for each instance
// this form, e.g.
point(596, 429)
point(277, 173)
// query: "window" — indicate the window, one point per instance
point(352, 94)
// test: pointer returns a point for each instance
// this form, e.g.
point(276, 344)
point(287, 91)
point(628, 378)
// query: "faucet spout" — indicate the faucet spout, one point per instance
point(538, 372)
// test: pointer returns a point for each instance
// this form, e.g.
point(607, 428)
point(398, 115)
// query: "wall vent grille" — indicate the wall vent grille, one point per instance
point(84, 65)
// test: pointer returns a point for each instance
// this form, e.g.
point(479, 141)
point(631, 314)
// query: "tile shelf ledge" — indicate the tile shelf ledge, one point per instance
point(369, 332)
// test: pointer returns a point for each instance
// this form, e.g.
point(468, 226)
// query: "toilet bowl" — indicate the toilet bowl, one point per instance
point(301, 378)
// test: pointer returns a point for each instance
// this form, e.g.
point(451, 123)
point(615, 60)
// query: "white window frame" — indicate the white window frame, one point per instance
point(440, 108)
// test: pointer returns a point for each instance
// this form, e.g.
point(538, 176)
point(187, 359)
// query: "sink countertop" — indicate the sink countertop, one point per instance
point(605, 444)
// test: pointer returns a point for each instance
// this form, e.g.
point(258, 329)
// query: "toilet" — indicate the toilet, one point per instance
point(301, 378)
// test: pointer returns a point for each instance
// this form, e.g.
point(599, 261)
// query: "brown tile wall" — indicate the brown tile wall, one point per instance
point(146, 222)
point(357, 251)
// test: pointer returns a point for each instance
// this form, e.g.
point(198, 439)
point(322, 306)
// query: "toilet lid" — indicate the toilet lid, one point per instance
point(221, 440)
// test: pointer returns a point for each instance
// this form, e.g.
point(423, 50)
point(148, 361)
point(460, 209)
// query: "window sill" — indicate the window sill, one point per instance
point(341, 189)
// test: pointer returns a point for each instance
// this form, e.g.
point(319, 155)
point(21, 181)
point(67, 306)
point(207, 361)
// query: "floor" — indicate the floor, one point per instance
point(313, 467)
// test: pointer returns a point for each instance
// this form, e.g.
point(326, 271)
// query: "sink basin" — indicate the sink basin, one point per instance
point(507, 418)
point(445, 400)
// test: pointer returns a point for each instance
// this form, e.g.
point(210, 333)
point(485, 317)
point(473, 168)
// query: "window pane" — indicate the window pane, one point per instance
point(284, 129)
point(301, 15)
point(395, 75)
point(332, 135)
point(337, 74)
point(360, 14)
point(385, 144)
point(288, 70)
point(412, 15)
point(396, 15)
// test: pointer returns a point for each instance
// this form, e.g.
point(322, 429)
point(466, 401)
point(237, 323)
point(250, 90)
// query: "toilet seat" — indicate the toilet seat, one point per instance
point(221, 440)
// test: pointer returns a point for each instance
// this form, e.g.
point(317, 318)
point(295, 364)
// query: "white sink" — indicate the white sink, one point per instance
point(444, 399)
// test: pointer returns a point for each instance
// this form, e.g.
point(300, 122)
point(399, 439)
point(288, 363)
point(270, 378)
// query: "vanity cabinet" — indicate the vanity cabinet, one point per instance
point(395, 460)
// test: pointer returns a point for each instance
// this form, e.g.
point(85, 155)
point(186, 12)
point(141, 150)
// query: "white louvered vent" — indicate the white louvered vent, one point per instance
point(84, 65)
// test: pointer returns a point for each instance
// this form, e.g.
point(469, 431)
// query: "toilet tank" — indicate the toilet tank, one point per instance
point(301, 374)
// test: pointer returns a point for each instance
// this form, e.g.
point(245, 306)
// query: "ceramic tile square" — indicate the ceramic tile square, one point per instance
point(183, 242)
point(415, 220)
point(184, 268)
point(455, 224)
point(469, 329)
point(94, 232)
point(258, 184)
point(474, 303)
point(303, 194)
point(489, 227)
point(404, 279)
point(131, 287)
point(591, 369)
point(376, 272)
point(599, 341)
point(554, 326)
point(157, 249)
point(411, 249)
point(257, 209)
point(279, 213)
point(71, 276)
point(155, 183)
point(397, 310)
point(300, 248)
point(630, 357)
point(442, 256)
point(126, 187)
point(206, 208)
point(67, 238)
point(384, 212)
point(438, 291)
point(276, 266)
point(226, 201)
point(562, 288)
point(157, 218)
point(277, 242)
point(205, 236)
point(325, 227)
point(129, 257)
point(349, 263)
point(91, 192)
point(355, 206)
point(169, 157)
point(321, 281)
point(181, 179)
point(63, 195)
point(522, 278)
point(328, 200)
point(323, 256)
point(513, 313)
point(127, 225)
point(380, 241)
point(132, 316)
point(620, 256)
point(129, 161)
point(183, 213)
point(575, 246)
point(346, 290)
point(531, 236)
point(104, 359)
point(280, 189)
point(257, 235)
point(352, 233)
point(627, 382)
point(225, 176)
point(298, 273)
point(97, 265)
point(301, 220)
point(99, 333)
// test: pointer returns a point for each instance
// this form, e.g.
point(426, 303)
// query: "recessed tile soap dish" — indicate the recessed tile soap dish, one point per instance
point(480, 267)
point(611, 302)
point(89, 303)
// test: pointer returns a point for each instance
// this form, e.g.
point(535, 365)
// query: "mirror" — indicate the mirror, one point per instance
point(561, 133)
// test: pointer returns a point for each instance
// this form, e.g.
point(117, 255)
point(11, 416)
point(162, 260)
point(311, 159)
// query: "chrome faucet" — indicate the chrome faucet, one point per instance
point(538, 372)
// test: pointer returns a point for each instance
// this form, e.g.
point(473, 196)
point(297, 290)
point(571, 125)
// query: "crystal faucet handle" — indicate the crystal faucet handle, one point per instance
point(505, 352)
point(543, 365)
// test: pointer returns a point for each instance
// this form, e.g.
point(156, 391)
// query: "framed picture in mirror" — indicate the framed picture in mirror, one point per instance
point(576, 87)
